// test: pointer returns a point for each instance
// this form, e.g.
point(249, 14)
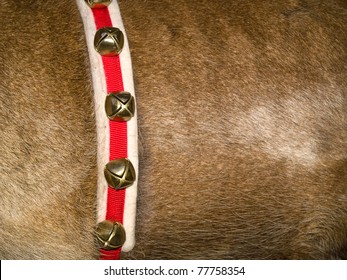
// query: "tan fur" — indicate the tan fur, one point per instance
point(48, 149)
point(242, 117)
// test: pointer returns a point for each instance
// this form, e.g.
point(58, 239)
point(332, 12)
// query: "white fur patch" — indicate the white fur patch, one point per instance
point(279, 141)
point(102, 122)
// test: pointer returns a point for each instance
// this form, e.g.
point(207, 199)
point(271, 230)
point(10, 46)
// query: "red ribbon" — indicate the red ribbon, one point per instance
point(118, 132)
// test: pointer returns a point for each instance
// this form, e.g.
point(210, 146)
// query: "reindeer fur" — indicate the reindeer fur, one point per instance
point(242, 121)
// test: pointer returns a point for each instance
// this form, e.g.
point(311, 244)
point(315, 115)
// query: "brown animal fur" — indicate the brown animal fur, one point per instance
point(242, 117)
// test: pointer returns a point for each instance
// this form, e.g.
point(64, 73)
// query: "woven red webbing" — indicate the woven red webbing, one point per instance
point(118, 132)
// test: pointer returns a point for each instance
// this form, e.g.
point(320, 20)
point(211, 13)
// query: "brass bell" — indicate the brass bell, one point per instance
point(98, 3)
point(111, 235)
point(109, 41)
point(120, 106)
point(120, 173)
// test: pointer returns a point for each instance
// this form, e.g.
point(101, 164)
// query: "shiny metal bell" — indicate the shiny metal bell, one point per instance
point(98, 3)
point(120, 106)
point(111, 235)
point(109, 41)
point(120, 173)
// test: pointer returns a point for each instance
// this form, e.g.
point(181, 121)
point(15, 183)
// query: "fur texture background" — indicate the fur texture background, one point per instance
point(48, 147)
point(242, 117)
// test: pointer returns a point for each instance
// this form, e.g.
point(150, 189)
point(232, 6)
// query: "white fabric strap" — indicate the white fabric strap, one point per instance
point(102, 122)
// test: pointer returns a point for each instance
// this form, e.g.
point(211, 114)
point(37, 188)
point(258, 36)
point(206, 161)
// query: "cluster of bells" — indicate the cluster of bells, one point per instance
point(119, 106)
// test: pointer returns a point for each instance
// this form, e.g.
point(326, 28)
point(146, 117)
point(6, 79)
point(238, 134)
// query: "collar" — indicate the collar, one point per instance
point(116, 125)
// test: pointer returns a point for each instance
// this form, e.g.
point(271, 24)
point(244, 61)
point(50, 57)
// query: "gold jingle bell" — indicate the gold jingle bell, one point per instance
point(111, 235)
point(98, 3)
point(120, 106)
point(109, 41)
point(120, 173)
